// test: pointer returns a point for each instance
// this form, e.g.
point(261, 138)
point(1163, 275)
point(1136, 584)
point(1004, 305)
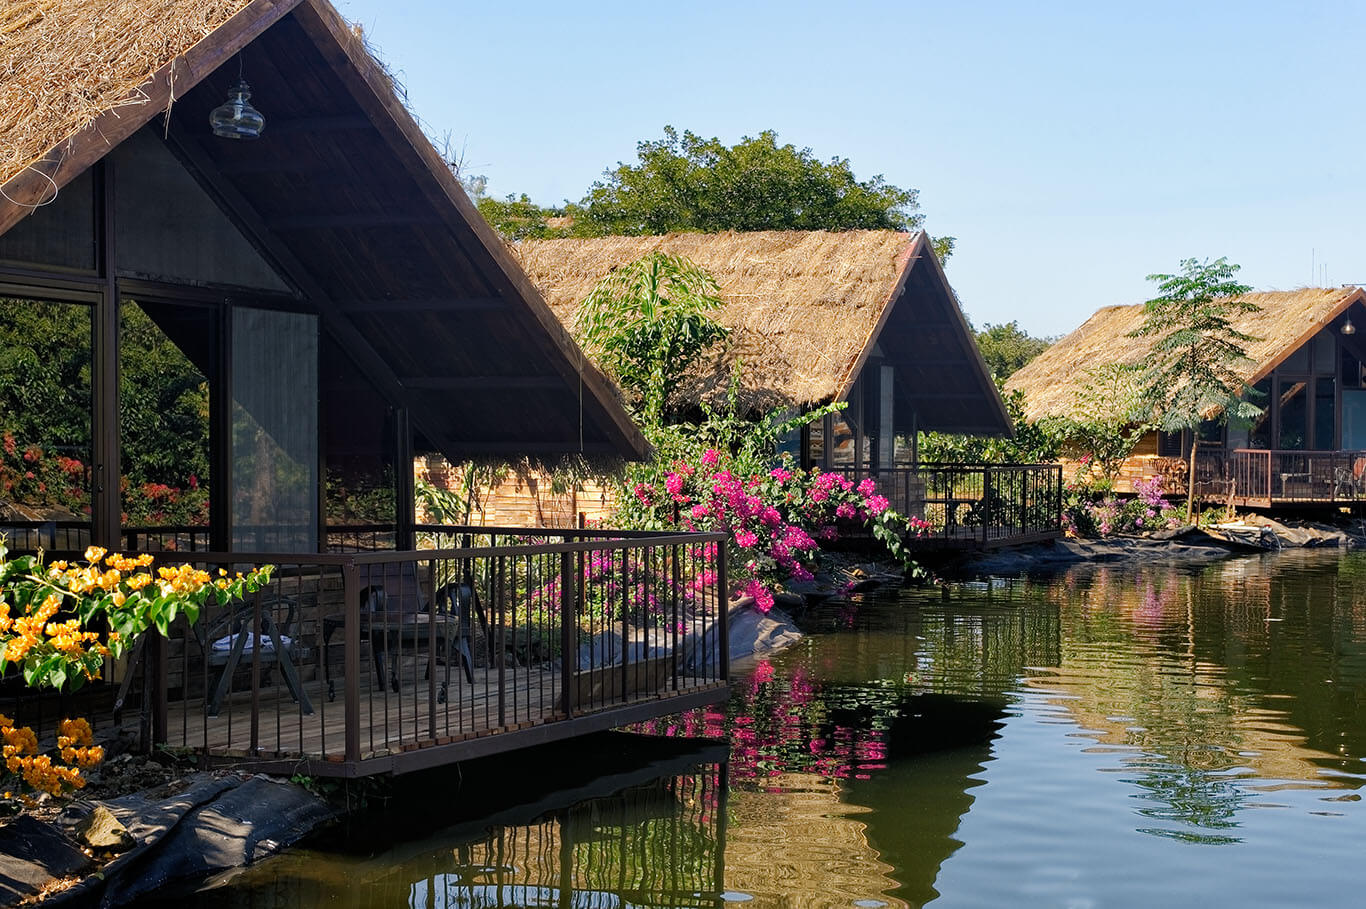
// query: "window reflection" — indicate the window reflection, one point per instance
point(45, 424)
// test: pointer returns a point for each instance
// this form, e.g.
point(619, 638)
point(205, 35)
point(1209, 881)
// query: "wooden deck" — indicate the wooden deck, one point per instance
point(393, 661)
point(396, 724)
point(411, 718)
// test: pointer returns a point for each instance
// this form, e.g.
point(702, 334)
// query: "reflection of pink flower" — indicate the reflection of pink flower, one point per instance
point(763, 672)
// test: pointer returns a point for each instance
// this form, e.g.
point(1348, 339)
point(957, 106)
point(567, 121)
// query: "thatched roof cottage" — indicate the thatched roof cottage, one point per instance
point(230, 256)
point(412, 328)
point(1306, 367)
point(862, 316)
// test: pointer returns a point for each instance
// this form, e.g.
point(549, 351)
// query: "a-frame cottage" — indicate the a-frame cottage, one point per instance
point(863, 317)
point(268, 320)
point(1307, 449)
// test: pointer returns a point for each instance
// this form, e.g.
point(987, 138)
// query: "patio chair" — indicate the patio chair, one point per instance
point(395, 613)
point(234, 636)
point(1349, 482)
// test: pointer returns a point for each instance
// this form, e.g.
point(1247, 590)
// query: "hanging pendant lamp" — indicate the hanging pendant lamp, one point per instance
point(236, 118)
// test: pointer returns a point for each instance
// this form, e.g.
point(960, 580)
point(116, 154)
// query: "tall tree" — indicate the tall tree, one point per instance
point(647, 322)
point(684, 182)
point(1006, 348)
point(1194, 372)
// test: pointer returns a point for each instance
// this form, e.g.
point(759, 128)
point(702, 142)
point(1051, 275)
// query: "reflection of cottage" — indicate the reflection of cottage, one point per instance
point(1308, 371)
point(865, 317)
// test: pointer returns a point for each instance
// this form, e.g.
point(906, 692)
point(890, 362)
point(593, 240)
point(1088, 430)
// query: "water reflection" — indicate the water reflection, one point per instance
point(1117, 735)
point(656, 842)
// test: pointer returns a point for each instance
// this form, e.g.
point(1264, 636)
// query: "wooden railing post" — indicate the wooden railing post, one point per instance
point(568, 624)
point(986, 503)
point(351, 694)
point(722, 610)
point(157, 683)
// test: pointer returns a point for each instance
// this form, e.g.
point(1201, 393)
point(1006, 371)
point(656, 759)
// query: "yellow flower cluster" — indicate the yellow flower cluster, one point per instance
point(20, 751)
point(181, 579)
point(44, 609)
point(29, 632)
point(74, 739)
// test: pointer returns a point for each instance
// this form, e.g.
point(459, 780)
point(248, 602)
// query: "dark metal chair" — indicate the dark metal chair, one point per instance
point(394, 613)
point(264, 628)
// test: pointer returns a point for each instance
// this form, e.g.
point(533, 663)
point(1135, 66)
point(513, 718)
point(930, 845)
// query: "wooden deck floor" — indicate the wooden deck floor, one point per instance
point(272, 728)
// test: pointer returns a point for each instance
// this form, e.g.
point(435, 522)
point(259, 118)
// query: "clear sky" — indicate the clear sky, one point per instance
point(1072, 148)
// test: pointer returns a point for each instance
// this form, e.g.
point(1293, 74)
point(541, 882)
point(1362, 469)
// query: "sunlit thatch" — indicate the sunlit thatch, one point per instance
point(801, 305)
point(1287, 319)
point(65, 62)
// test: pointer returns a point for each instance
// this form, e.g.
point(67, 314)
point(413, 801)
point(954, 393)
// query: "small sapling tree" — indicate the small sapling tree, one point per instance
point(1194, 373)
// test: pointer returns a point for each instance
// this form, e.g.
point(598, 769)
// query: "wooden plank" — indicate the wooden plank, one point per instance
point(482, 383)
point(453, 304)
point(72, 156)
point(397, 218)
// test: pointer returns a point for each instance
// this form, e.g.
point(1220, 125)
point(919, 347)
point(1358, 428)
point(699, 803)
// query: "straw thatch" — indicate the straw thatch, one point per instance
point(1287, 319)
point(801, 305)
point(65, 62)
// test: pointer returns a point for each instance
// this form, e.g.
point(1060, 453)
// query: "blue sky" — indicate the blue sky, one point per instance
point(1072, 148)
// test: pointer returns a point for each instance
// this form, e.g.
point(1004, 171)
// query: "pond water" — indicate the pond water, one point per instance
point(1132, 735)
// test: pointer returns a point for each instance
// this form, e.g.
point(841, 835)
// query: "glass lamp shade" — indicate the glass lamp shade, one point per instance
point(236, 118)
point(1348, 328)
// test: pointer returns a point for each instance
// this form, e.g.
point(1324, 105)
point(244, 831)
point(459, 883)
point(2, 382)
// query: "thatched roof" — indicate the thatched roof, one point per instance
point(806, 309)
point(1052, 381)
point(343, 195)
point(63, 63)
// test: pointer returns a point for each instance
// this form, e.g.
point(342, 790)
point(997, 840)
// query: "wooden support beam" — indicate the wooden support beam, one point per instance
point(353, 219)
point(513, 449)
point(373, 91)
point(313, 125)
point(451, 304)
point(483, 383)
point(947, 396)
point(274, 250)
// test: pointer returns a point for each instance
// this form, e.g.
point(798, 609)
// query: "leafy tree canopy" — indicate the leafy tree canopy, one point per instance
point(684, 182)
point(518, 218)
point(1006, 347)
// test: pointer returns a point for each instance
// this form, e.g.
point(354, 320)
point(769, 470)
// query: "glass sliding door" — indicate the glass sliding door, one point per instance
point(1293, 398)
point(168, 366)
point(274, 445)
point(46, 365)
